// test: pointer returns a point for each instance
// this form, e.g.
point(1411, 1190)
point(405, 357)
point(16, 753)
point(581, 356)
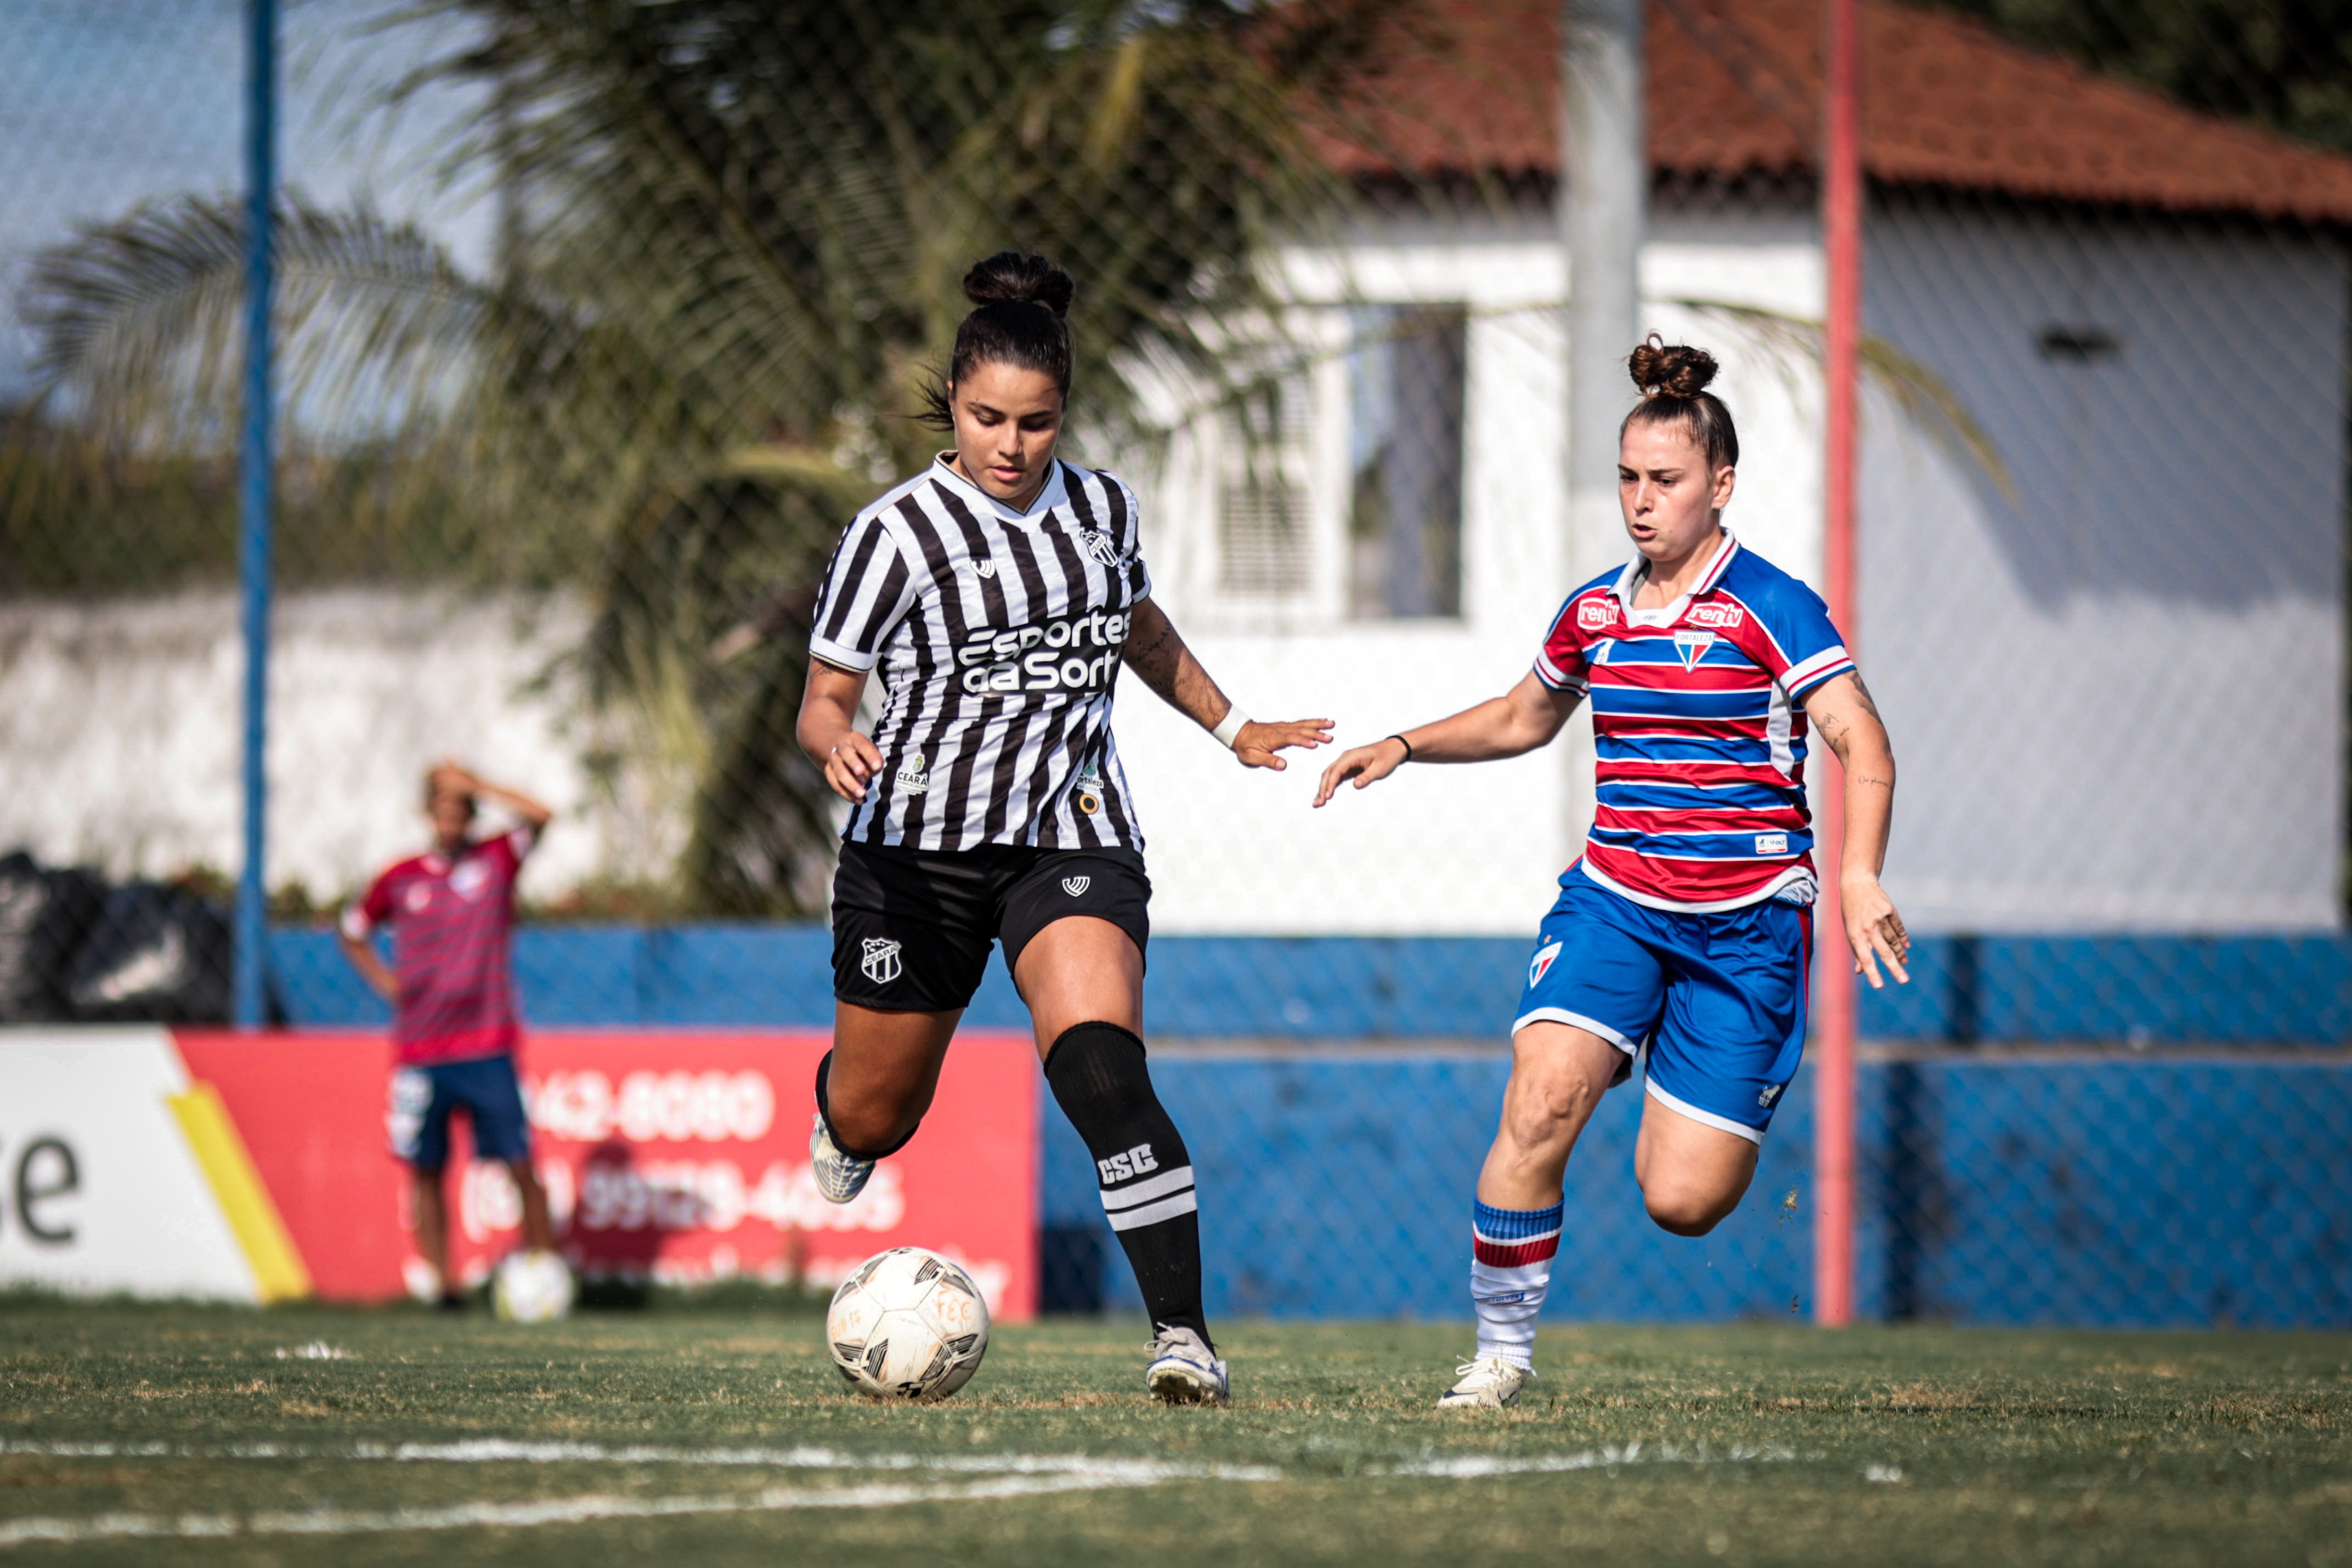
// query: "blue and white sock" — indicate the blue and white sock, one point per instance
point(1511, 1251)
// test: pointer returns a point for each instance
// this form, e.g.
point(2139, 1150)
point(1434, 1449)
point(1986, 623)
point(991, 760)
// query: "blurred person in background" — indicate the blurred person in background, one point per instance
point(455, 1028)
point(1683, 936)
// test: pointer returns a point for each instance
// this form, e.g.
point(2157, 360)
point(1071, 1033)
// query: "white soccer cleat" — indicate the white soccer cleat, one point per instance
point(1185, 1371)
point(838, 1176)
point(1486, 1383)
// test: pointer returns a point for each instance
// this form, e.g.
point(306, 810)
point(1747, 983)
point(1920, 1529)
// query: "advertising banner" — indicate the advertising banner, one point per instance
point(255, 1166)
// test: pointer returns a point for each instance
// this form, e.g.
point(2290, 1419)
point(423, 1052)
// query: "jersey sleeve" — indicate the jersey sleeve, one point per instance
point(1559, 662)
point(370, 909)
point(1138, 576)
point(1802, 648)
point(867, 591)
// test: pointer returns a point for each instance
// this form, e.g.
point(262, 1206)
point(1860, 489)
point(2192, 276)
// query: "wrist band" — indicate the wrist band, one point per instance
point(1401, 741)
point(1229, 728)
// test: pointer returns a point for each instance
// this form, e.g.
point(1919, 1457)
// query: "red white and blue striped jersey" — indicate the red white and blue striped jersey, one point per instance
point(1698, 725)
point(452, 921)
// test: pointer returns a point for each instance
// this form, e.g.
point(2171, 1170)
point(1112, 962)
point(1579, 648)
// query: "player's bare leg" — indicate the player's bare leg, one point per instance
point(1559, 1073)
point(428, 1208)
point(538, 1230)
point(1692, 1175)
point(879, 1081)
point(1083, 980)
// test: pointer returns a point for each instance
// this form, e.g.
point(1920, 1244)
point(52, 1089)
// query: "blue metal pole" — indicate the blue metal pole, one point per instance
point(255, 504)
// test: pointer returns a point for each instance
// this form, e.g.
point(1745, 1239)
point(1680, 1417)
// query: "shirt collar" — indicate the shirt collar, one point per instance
point(1629, 581)
point(1054, 493)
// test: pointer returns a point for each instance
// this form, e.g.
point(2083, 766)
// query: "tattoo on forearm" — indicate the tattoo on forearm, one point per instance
point(1148, 658)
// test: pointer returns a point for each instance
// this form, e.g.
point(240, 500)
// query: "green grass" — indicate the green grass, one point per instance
point(1756, 1444)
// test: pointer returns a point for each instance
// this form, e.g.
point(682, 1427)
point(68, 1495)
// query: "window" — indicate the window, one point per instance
point(1405, 377)
point(1262, 548)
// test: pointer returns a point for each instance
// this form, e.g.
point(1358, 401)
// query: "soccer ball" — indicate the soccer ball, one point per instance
point(907, 1325)
point(531, 1288)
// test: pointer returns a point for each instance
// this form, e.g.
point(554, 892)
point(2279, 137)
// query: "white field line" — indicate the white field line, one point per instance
point(578, 1510)
point(1472, 1466)
point(999, 1476)
point(499, 1450)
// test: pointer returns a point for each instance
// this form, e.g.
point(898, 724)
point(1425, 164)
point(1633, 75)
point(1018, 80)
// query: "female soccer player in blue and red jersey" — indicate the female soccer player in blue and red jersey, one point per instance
point(1682, 935)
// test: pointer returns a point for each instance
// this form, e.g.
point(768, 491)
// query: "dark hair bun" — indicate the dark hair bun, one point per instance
point(1668, 370)
point(1011, 276)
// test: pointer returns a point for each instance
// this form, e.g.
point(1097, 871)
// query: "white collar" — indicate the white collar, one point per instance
point(1629, 581)
point(1053, 494)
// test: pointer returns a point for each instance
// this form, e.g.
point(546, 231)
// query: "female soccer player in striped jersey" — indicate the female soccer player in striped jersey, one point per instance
point(1681, 936)
point(1000, 592)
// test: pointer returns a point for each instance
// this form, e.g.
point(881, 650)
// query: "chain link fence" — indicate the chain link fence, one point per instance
point(599, 319)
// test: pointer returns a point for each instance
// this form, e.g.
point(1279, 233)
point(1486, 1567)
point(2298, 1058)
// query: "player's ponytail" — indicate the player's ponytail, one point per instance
point(1019, 301)
point(1672, 380)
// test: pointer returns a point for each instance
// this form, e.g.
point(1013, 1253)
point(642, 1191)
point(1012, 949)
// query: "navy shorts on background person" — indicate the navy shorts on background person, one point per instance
point(1711, 1005)
point(911, 928)
point(484, 1087)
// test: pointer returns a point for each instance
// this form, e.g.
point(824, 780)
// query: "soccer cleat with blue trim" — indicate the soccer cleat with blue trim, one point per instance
point(838, 1176)
point(1185, 1371)
point(1486, 1383)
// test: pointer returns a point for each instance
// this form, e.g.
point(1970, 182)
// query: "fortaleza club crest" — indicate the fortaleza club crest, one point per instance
point(881, 961)
point(1541, 962)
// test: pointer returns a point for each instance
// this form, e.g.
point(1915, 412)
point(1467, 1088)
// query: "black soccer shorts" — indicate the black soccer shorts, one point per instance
point(911, 928)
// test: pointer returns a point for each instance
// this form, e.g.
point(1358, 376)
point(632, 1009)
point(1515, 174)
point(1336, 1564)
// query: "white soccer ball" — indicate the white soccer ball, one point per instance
point(907, 1325)
point(531, 1288)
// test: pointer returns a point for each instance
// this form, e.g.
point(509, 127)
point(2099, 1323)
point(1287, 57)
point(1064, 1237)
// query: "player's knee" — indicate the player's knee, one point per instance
point(868, 1120)
point(1543, 1105)
point(1683, 1209)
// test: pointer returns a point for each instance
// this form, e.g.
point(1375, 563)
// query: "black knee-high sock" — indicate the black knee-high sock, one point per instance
point(1099, 1079)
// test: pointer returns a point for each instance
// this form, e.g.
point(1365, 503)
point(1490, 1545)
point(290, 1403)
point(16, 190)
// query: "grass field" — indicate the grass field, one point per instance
point(209, 1436)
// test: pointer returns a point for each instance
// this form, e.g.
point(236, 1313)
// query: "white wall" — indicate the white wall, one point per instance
point(1466, 850)
point(2118, 696)
point(120, 729)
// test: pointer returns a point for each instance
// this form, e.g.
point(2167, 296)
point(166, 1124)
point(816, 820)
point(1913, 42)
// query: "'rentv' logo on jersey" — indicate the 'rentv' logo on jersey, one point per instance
point(1068, 654)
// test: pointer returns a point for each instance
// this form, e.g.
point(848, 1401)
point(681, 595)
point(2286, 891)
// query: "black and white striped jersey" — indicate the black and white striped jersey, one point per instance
point(998, 636)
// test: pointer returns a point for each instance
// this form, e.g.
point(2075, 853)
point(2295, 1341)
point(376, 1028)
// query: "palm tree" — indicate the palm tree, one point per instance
point(740, 230)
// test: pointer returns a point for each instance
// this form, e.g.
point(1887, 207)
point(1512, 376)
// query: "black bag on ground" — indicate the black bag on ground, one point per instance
point(160, 954)
point(46, 915)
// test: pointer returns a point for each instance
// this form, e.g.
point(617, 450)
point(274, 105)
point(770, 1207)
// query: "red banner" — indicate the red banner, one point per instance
point(678, 1158)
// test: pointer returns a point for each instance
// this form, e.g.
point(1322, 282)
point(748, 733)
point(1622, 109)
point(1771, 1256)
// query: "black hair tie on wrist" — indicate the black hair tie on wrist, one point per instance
point(1401, 741)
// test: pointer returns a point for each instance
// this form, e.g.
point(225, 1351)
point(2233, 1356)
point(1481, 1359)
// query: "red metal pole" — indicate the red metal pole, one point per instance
point(1834, 993)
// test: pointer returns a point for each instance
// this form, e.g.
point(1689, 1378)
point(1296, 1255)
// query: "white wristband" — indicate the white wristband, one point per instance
point(1229, 728)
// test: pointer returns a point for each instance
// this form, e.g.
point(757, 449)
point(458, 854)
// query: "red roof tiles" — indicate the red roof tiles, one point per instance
point(1734, 88)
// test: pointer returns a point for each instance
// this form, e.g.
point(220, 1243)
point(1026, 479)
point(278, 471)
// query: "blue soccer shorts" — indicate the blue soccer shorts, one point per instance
point(1711, 1005)
point(484, 1087)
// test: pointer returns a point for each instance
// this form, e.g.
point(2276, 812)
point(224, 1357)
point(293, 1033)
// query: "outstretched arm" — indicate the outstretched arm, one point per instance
point(1841, 710)
point(1155, 652)
point(1521, 719)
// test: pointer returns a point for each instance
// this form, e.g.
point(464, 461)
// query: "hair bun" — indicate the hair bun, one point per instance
point(1661, 369)
point(1016, 278)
